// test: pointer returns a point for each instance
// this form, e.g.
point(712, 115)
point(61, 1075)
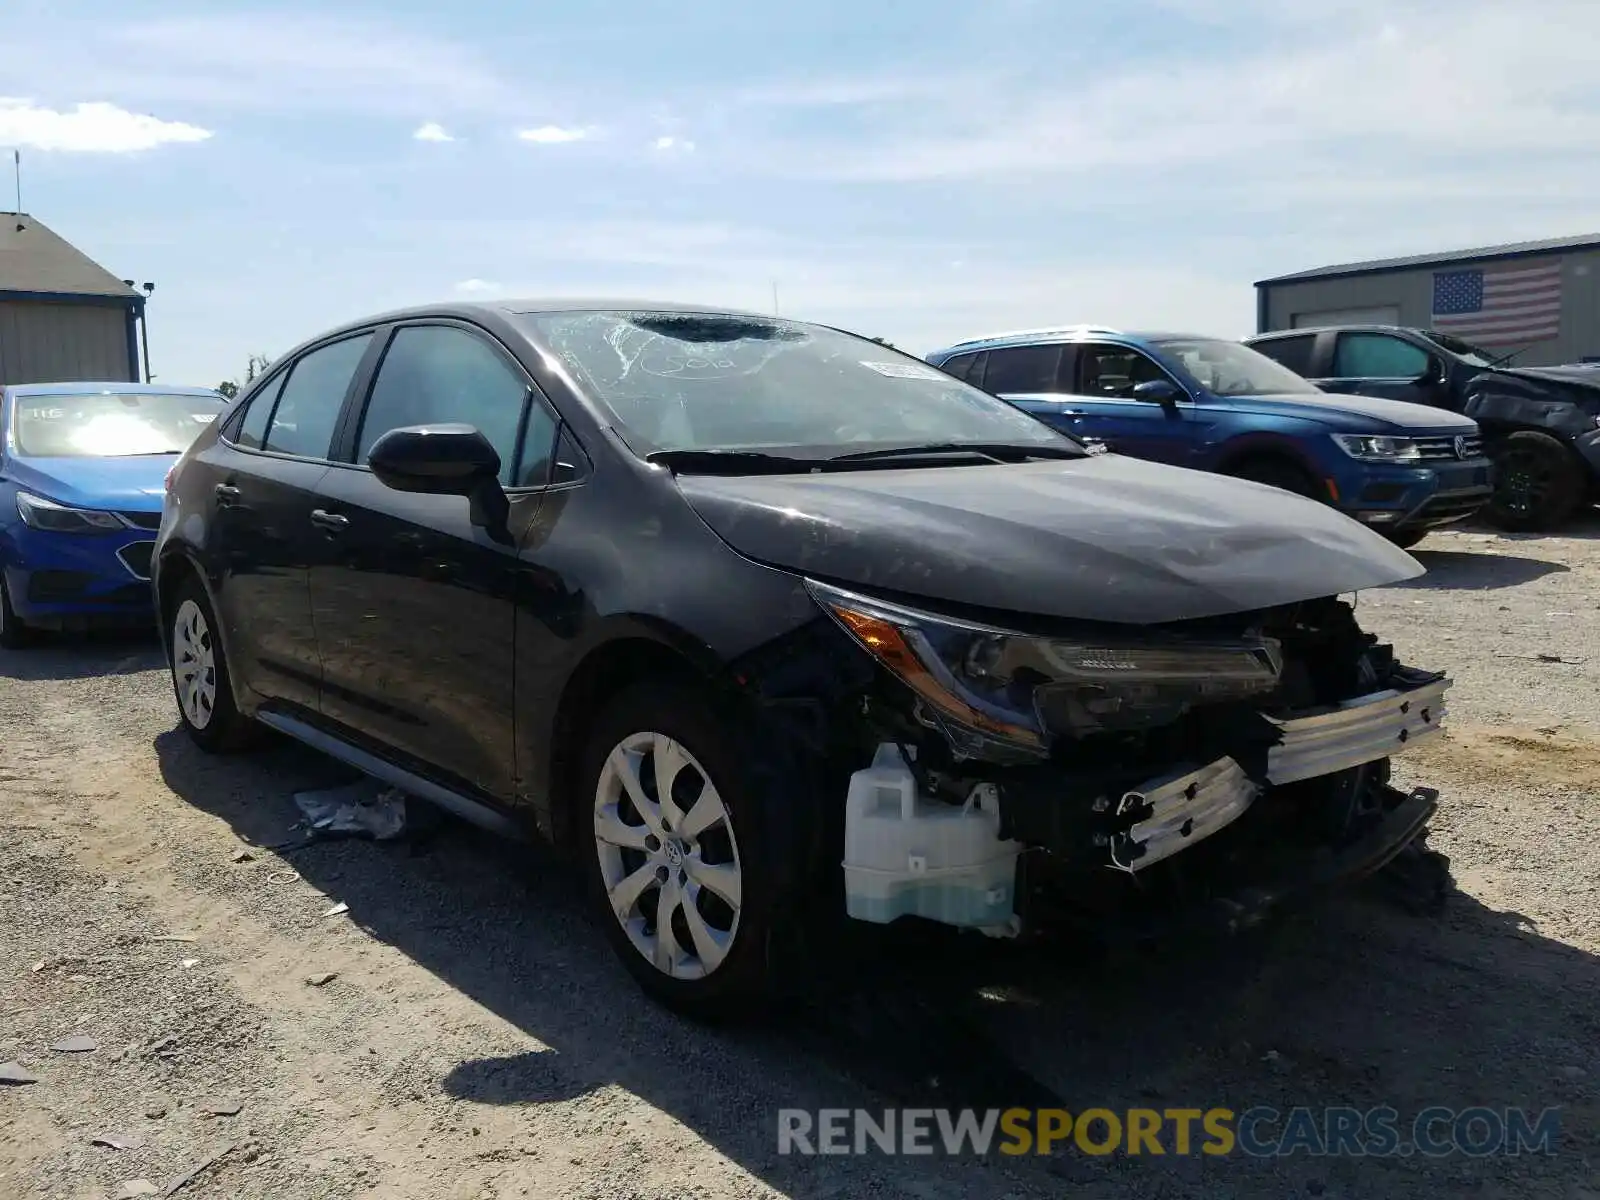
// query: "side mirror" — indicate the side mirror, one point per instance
point(1434, 372)
point(440, 460)
point(1157, 391)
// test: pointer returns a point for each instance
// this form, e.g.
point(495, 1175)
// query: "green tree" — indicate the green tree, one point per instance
point(255, 367)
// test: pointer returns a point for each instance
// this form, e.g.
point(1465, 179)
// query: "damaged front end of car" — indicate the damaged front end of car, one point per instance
point(1026, 777)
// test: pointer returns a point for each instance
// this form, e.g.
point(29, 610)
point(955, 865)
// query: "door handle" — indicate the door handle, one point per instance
point(226, 494)
point(332, 522)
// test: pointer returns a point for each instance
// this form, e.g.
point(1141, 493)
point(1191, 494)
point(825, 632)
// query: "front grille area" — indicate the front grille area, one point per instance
point(142, 520)
point(1435, 449)
point(136, 557)
point(1444, 509)
point(53, 587)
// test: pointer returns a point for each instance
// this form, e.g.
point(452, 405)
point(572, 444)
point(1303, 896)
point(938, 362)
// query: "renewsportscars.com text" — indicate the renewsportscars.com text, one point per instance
point(1258, 1132)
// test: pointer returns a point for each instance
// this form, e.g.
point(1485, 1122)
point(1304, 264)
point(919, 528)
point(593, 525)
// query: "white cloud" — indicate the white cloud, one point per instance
point(1371, 89)
point(90, 128)
point(432, 131)
point(553, 135)
point(271, 61)
point(477, 287)
point(667, 143)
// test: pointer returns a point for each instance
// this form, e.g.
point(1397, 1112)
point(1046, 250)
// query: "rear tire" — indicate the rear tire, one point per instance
point(705, 861)
point(1539, 482)
point(1279, 473)
point(200, 679)
point(1407, 538)
point(14, 635)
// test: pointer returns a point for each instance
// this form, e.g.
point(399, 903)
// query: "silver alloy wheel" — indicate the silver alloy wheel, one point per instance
point(653, 832)
point(194, 667)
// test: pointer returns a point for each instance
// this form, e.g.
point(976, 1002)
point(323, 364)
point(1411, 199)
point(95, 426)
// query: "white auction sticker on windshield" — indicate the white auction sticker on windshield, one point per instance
point(908, 370)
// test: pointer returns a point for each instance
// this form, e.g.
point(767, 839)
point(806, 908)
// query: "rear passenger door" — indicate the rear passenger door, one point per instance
point(1105, 375)
point(1034, 378)
point(413, 603)
point(264, 472)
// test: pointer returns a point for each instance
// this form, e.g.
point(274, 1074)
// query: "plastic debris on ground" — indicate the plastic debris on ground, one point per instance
point(366, 808)
point(16, 1073)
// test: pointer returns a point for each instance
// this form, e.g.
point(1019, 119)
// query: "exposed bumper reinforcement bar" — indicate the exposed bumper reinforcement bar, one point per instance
point(1190, 805)
point(1185, 807)
point(1358, 731)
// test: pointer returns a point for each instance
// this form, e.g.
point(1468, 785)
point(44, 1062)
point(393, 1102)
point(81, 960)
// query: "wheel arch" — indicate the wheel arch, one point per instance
point(641, 651)
point(177, 566)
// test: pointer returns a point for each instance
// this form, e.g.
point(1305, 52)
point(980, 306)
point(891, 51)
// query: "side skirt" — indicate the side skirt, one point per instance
point(474, 812)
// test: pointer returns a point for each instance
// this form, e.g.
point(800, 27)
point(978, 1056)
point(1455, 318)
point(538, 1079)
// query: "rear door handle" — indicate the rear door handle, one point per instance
point(226, 494)
point(333, 522)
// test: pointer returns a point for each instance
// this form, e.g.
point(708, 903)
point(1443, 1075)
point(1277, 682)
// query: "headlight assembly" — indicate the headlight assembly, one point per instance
point(39, 513)
point(1370, 448)
point(1000, 690)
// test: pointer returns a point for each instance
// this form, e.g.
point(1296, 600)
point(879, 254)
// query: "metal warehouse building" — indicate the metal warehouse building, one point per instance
point(1541, 298)
point(62, 316)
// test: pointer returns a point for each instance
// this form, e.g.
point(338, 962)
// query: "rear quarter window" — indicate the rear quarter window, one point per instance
point(1292, 352)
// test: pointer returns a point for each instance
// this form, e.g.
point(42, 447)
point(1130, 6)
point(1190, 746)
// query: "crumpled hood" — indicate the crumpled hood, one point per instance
point(134, 482)
point(1106, 538)
point(1357, 414)
point(1588, 377)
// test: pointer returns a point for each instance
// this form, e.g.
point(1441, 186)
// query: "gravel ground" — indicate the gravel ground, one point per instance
point(475, 1038)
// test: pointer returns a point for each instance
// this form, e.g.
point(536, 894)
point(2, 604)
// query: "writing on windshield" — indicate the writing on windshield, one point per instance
point(110, 424)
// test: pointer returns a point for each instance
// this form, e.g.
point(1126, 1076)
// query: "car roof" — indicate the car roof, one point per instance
point(1305, 330)
point(1061, 333)
point(91, 386)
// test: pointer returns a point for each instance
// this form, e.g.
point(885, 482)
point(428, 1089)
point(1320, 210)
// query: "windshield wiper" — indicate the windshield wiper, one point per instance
point(732, 462)
point(997, 451)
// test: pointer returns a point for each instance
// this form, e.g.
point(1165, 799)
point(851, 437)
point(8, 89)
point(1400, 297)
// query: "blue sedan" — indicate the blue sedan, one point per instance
point(82, 474)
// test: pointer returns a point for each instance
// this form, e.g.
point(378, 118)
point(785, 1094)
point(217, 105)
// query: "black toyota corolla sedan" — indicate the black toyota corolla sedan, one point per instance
point(762, 620)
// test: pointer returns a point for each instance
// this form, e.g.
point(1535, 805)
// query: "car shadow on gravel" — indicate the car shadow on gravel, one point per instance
point(1351, 1004)
point(83, 655)
point(1488, 570)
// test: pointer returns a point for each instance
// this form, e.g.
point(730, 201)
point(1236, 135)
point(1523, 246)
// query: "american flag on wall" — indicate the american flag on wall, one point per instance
point(1508, 305)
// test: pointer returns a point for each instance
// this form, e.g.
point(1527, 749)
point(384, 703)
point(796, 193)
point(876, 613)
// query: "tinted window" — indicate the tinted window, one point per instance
point(252, 431)
point(538, 444)
point(1023, 369)
point(1114, 370)
point(436, 374)
point(1377, 356)
point(717, 381)
point(960, 366)
point(111, 424)
point(1231, 368)
point(308, 408)
point(1292, 352)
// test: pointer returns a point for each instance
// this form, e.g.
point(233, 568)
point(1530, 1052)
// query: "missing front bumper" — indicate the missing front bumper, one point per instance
point(1188, 806)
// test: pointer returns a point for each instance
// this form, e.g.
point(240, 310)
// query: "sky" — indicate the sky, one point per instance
point(921, 171)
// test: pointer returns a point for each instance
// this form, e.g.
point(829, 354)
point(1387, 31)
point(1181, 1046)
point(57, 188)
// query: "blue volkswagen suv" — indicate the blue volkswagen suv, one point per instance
point(82, 473)
point(1217, 405)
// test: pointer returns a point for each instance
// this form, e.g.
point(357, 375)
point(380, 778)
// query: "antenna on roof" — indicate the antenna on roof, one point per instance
point(16, 165)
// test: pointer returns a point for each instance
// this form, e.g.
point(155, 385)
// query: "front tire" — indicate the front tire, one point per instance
point(676, 852)
point(1539, 482)
point(14, 635)
point(200, 678)
point(1279, 473)
point(1406, 538)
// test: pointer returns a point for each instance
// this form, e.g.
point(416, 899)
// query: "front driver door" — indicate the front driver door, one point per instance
point(1106, 375)
point(414, 603)
point(1380, 364)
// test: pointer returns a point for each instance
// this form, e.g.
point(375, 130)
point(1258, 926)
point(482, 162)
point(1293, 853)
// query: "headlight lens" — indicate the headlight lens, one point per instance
point(999, 690)
point(39, 513)
point(1372, 448)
